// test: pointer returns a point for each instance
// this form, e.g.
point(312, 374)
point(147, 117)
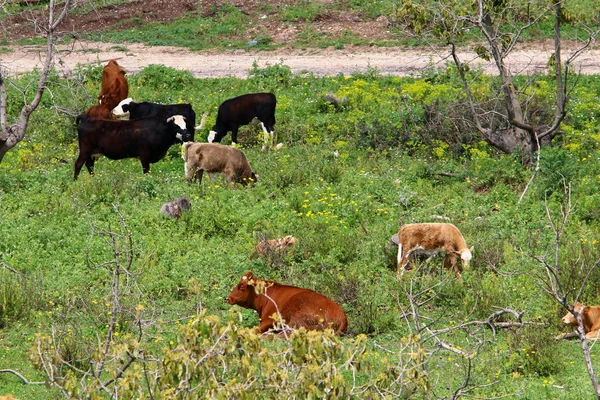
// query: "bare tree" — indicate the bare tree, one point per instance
point(560, 278)
point(12, 132)
point(499, 26)
point(436, 335)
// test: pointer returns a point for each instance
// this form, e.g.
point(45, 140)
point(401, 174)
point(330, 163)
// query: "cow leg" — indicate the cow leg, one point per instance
point(198, 175)
point(592, 335)
point(89, 164)
point(145, 166)
point(267, 144)
point(401, 261)
point(234, 132)
point(451, 261)
point(78, 164)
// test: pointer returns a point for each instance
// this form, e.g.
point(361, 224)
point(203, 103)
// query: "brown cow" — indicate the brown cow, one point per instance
point(100, 111)
point(114, 85)
point(297, 306)
point(428, 238)
point(590, 318)
point(216, 158)
point(275, 245)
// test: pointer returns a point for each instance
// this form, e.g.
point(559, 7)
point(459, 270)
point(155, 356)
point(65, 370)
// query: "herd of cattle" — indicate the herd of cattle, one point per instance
point(147, 130)
point(118, 128)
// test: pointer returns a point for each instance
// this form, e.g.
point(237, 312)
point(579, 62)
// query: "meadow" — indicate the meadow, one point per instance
point(342, 184)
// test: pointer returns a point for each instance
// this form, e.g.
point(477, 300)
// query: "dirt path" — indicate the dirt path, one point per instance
point(389, 61)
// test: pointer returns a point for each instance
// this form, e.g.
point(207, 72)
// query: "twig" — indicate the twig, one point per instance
point(11, 269)
point(25, 380)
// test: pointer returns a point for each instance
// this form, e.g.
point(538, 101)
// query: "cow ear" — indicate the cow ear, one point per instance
point(170, 119)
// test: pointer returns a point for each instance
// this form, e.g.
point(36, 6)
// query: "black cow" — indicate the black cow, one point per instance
point(144, 109)
point(147, 139)
point(243, 110)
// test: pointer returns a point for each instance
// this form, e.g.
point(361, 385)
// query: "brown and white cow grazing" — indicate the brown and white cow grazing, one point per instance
point(428, 238)
point(243, 110)
point(216, 158)
point(147, 139)
point(114, 85)
point(297, 306)
point(590, 316)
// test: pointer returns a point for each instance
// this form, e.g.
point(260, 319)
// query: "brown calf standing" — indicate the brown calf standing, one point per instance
point(216, 158)
point(428, 238)
point(297, 306)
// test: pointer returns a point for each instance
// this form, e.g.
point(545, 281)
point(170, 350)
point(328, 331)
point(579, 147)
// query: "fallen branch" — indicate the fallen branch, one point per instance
point(25, 380)
point(11, 269)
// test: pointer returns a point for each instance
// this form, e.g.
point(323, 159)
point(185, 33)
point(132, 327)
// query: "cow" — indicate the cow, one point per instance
point(147, 139)
point(114, 85)
point(430, 238)
point(100, 111)
point(590, 316)
point(216, 158)
point(128, 109)
point(297, 307)
point(243, 110)
point(280, 245)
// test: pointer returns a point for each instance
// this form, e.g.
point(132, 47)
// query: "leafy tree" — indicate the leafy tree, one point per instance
point(496, 27)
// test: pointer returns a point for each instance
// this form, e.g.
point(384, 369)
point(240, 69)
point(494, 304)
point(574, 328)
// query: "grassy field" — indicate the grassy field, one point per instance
point(343, 182)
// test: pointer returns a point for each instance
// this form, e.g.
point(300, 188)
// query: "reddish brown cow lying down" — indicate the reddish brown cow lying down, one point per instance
point(298, 307)
point(216, 158)
point(590, 318)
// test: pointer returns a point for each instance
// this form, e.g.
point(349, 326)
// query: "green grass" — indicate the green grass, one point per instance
point(343, 182)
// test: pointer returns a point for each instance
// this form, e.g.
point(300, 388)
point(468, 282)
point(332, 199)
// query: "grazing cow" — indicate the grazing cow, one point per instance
point(590, 316)
point(128, 109)
point(114, 85)
point(100, 111)
point(297, 306)
point(243, 110)
point(147, 139)
point(176, 207)
point(217, 158)
point(430, 238)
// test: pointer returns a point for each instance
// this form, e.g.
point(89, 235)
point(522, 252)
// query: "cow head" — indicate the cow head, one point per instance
point(569, 318)
point(243, 292)
point(181, 133)
point(122, 109)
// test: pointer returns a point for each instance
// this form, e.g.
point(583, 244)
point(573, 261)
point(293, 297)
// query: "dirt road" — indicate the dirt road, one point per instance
point(321, 62)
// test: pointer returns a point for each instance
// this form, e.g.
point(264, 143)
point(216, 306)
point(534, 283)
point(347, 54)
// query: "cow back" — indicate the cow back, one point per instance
point(148, 109)
point(115, 87)
point(301, 307)
point(147, 137)
point(243, 109)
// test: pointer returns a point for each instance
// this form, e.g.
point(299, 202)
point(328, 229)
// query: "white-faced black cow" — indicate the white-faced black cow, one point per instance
point(128, 109)
point(147, 139)
point(243, 110)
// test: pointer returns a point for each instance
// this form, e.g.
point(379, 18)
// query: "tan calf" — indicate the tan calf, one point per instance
point(590, 318)
point(431, 238)
point(217, 158)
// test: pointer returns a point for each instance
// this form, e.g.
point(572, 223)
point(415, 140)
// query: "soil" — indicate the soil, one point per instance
point(529, 57)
